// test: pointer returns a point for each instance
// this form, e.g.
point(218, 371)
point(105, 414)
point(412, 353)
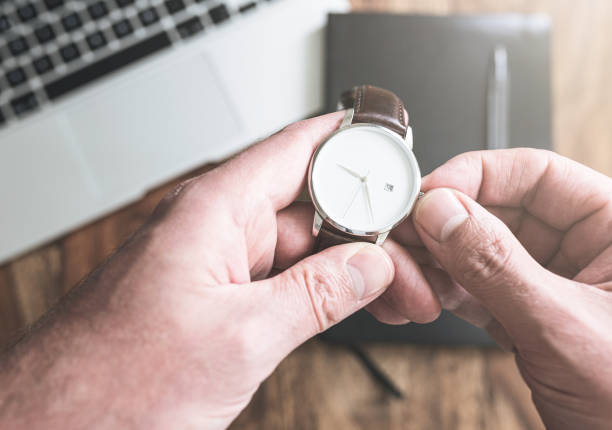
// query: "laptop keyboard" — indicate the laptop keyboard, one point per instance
point(49, 48)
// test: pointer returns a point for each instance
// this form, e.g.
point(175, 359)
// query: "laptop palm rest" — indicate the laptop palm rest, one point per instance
point(42, 183)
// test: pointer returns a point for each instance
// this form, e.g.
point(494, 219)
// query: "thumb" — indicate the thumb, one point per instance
point(323, 289)
point(481, 253)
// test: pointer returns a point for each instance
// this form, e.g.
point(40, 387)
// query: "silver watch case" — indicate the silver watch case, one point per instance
point(321, 217)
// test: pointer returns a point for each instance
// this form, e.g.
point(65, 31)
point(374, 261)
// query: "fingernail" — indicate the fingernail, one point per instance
point(371, 270)
point(439, 212)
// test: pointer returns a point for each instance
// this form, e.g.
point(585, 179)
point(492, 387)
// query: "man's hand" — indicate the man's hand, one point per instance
point(520, 242)
point(182, 324)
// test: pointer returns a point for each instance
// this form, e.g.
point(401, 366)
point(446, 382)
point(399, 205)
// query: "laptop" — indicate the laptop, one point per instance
point(102, 100)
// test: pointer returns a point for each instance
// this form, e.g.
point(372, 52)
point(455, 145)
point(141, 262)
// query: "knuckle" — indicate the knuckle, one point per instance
point(428, 315)
point(167, 200)
point(324, 290)
point(297, 131)
point(176, 192)
point(170, 198)
point(297, 126)
point(485, 259)
point(526, 153)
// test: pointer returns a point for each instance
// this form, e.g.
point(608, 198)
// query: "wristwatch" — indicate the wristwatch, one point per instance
point(364, 178)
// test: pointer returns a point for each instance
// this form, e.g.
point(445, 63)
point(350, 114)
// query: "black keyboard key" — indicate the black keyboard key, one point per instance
point(124, 3)
point(148, 16)
point(96, 40)
point(44, 33)
point(72, 21)
point(18, 46)
point(108, 65)
point(175, 6)
point(24, 104)
point(98, 10)
point(70, 52)
point(16, 77)
point(123, 28)
point(218, 14)
point(5, 23)
point(52, 4)
point(190, 27)
point(43, 64)
point(2, 119)
point(247, 6)
point(27, 12)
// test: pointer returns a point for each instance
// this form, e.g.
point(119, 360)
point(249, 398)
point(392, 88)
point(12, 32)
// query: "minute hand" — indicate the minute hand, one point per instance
point(369, 198)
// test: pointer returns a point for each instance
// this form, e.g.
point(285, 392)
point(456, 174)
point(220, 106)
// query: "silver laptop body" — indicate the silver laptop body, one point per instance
point(116, 114)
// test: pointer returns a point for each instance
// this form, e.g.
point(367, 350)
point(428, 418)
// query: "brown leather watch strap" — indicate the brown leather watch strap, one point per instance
point(327, 238)
point(375, 105)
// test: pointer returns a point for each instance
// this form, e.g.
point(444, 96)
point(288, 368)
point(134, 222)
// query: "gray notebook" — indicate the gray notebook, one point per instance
point(441, 67)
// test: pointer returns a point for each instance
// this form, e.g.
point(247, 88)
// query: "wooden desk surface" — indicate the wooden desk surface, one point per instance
point(322, 386)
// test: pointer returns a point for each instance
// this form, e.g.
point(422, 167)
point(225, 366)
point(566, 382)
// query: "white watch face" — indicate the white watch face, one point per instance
point(364, 179)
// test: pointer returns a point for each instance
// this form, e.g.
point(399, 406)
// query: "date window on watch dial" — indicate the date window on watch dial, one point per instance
point(389, 187)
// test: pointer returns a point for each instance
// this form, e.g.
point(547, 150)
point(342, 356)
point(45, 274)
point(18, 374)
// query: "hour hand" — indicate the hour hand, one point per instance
point(350, 171)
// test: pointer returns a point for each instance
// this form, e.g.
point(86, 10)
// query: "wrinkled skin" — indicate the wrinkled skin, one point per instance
point(532, 263)
point(182, 324)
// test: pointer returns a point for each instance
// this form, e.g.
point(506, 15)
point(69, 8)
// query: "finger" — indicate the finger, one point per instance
point(538, 238)
point(272, 172)
point(599, 271)
point(409, 294)
point(584, 242)
point(481, 254)
point(563, 202)
point(454, 298)
point(526, 178)
point(320, 291)
point(421, 255)
point(405, 234)
point(240, 199)
point(385, 313)
point(294, 234)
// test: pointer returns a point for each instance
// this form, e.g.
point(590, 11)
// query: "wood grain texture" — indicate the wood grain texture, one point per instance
point(323, 386)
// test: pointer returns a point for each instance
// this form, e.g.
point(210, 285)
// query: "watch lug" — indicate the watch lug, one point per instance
point(409, 142)
point(317, 223)
point(381, 238)
point(348, 118)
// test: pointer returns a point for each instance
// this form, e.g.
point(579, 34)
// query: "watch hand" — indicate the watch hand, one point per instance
point(369, 199)
point(352, 200)
point(350, 171)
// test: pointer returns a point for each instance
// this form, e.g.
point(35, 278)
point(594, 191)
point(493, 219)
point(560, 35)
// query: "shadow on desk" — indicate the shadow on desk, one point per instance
point(325, 386)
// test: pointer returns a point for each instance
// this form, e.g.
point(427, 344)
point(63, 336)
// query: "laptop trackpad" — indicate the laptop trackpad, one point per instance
point(150, 127)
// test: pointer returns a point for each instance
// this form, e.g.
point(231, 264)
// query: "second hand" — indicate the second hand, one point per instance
point(352, 200)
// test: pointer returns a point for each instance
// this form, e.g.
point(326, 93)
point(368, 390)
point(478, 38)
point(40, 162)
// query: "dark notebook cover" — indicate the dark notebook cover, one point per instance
point(439, 66)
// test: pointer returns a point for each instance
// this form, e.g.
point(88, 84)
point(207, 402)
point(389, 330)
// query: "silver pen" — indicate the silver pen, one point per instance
point(498, 100)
